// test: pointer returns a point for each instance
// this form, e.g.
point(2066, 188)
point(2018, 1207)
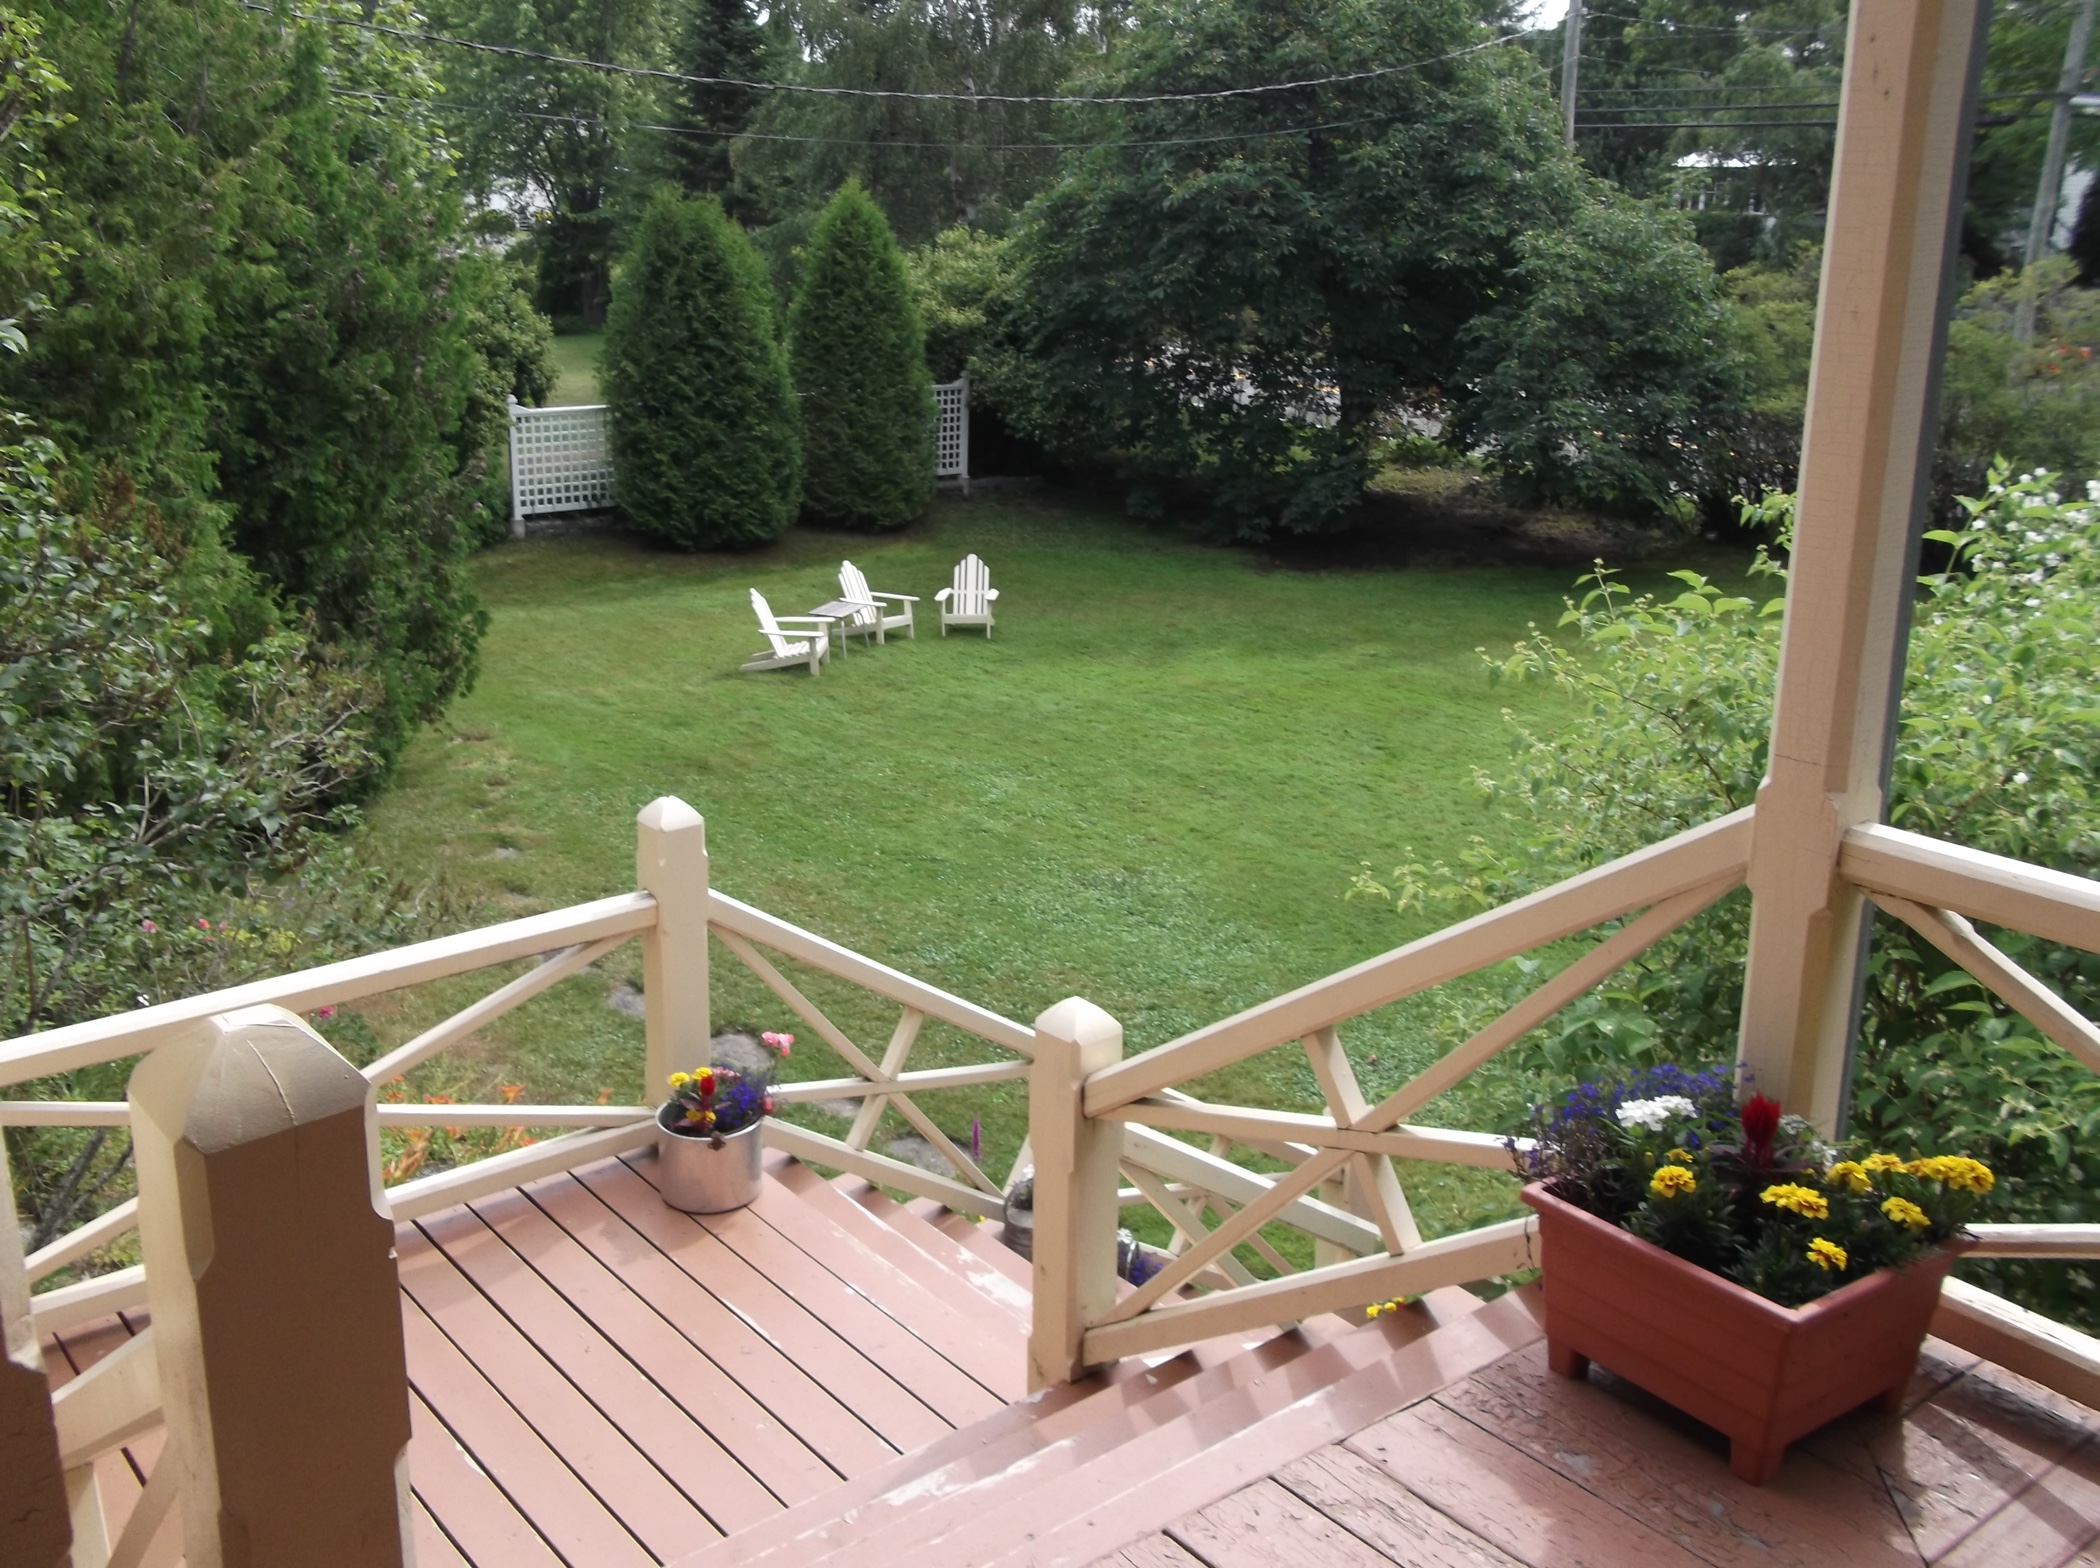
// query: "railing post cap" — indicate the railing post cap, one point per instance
point(669, 814)
point(1078, 1020)
point(245, 1075)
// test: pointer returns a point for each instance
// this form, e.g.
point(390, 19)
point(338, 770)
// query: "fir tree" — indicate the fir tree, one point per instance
point(860, 368)
point(705, 444)
point(719, 38)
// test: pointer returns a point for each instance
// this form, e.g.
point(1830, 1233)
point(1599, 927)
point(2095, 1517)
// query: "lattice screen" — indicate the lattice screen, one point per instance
point(559, 460)
point(951, 448)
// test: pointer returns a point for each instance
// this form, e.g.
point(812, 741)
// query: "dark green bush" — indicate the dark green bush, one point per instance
point(706, 449)
point(860, 368)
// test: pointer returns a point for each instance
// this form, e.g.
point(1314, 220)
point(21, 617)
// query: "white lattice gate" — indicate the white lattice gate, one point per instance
point(951, 445)
point(560, 461)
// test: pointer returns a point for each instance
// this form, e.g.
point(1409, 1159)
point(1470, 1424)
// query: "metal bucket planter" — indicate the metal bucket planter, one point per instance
point(1761, 1373)
point(699, 1178)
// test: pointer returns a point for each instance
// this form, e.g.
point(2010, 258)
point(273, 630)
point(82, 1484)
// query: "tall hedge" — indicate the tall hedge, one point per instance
point(706, 448)
point(860, 367)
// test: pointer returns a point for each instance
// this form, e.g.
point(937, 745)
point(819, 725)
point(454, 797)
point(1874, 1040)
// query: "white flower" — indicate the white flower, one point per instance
point(1651, 1114)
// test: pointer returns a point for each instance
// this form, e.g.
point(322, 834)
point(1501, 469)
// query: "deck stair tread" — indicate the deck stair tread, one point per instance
point(1007, 1281)
point(969, 1503)
point(985, 1237)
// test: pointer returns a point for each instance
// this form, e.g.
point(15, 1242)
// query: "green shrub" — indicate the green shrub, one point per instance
point(706, 449)
point(860, 367)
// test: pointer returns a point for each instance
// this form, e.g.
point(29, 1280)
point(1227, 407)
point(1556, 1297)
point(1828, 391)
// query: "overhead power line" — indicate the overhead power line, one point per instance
point(651, 73)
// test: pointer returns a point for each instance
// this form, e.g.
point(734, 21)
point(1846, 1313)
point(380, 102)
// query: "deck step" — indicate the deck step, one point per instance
point(1104, 1464)
point(954, 1244)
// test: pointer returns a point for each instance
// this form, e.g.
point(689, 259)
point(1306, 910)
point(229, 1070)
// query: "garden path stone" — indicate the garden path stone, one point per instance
point(914, 1150)
point(625, 998)
point(740, 1051)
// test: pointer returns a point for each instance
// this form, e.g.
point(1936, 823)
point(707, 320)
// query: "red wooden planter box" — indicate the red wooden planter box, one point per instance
point(1762, 1373)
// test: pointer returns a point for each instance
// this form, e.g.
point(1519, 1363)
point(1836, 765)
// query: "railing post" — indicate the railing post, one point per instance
point(276, 1305)
point(34, 1528)
point(1076, 1174)
point(670, 861)
point(517, 489)
point(1881, 329)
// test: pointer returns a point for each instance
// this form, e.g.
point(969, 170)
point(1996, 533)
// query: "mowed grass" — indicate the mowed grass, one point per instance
point(1150, 788)
point(576, 368)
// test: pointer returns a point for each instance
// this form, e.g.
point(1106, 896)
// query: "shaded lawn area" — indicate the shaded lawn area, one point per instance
point(1150, 787)
point(576, 368)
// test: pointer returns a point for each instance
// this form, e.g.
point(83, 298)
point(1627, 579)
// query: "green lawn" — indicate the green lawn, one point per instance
point(1151, 788)
point(576, 368)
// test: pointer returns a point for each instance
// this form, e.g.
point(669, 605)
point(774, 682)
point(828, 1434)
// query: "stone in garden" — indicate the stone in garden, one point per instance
point(914, 1150)
point(740, 1051)
point(625, 998)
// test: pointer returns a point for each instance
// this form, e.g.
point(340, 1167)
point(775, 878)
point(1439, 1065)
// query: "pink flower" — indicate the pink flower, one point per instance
point(203, 924)
point(325, 1013)
point(148, 927)
point(779, 1042)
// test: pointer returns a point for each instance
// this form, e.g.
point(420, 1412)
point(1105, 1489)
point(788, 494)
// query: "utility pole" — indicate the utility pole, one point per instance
point(2049, 191)
point(1571, 62)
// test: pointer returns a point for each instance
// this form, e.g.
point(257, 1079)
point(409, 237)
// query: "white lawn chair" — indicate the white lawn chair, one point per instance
point(790, 645)
point(968, 602)
point(872, 618)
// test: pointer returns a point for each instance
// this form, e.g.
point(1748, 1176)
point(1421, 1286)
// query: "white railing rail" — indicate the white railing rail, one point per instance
point(1342, 1187)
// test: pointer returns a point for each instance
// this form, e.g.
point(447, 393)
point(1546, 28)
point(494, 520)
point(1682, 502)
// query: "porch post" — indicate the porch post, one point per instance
point(1896, 194)
point(276, 1305)
point(34, 1528)
point(1077, 1167)
point(670, 861)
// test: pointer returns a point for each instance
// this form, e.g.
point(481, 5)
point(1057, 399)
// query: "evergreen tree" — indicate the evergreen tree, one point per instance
point(860, 367)
point(706, 448)
point(719, 38)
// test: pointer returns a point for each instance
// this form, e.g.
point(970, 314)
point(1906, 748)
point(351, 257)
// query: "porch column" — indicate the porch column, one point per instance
point(276, 1305)
point(670, 861)
point(1904, 131)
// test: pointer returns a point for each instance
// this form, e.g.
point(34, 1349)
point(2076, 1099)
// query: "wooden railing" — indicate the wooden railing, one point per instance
point(1107, 1133)
point(672, 914)
point(1342, 1184)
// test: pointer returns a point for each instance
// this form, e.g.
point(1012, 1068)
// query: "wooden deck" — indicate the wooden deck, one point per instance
point(599, 1380)
point(1515, 1466)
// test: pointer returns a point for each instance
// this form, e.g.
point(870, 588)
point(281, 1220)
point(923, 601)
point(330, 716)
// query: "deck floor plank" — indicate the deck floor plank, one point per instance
point(1265, 1526)
point(459, 1493)
point(1385, 1515)
point(769, 1274)
point(434, 1548)
point(1155, 1551)
point(501, 1442)
point(627, 1479)
point(1672, 1473)
point(940, 1311)
point(120, 1475)
point(1505, 1496)
point(703, 1469)
point(672, 1324)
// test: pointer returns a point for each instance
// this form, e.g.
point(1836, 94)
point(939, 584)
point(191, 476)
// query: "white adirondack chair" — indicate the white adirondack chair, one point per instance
point(968, 600)
point(790, 645)
point(873, 618)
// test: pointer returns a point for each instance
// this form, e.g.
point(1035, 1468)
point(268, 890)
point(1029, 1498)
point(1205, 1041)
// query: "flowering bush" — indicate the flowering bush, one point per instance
point(1742, 1190)
point(718, 1101)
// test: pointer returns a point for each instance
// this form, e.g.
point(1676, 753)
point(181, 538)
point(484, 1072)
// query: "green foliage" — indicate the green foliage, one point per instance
point(1993, 750)
point(1220, 292)
point(1607, 380)
point(706, 446)
point(860, 369)
point(2033, 405)
point(513, 348)
point(962, 282)
point(721, 39)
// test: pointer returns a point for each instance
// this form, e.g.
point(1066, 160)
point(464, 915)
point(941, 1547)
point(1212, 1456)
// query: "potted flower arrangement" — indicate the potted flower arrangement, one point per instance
point(707, 1134)
point(1726, 1260)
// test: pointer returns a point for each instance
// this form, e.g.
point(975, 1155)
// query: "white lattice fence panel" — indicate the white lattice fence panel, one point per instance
point(560, 460)
point(951, 447)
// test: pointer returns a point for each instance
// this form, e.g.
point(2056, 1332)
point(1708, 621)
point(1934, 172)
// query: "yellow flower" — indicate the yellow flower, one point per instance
point(1798, 1199)
point(680, 1080)
point(1679, 1156)
point(1672, 1181)
point(1905, 1212)
point(1876, 1163)
point(1379, 1308)
point(1828, 1255)
point(1954, 1170)
point(1848, 1173)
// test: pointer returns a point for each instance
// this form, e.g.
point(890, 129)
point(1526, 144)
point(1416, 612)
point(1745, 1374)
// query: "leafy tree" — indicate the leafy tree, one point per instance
point(928, 163)
point(513, 348)
point(1993, 750)
point(724, 39)
point(962, 284)
point(1607, 380)
point(860, 369)
point(707, 447)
